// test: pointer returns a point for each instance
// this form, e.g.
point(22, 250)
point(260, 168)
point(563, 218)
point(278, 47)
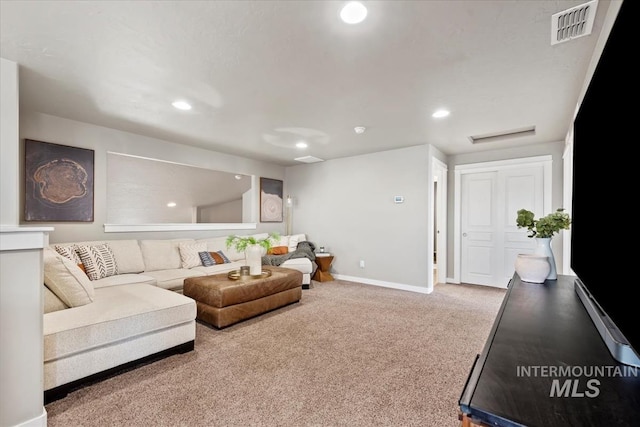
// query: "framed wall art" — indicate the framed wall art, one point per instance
point(58, 182)
point(271, 200)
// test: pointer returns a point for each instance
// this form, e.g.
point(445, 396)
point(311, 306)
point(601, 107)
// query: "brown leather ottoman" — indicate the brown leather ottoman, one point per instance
point(222, 302)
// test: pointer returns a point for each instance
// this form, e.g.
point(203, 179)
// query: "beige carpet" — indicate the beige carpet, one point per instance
point(346, 355)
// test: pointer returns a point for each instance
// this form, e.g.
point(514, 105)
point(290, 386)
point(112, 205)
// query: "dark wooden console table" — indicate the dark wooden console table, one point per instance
point(517, 379)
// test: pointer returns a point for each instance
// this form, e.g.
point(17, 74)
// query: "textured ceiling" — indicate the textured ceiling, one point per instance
point(263, 75)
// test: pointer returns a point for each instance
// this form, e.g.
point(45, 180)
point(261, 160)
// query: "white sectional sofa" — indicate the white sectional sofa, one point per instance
point(103, 325)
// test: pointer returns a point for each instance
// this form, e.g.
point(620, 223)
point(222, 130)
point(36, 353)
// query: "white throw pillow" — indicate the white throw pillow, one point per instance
point(284, 241)
point(189, 254)
point(98, 261)
point(67, 281)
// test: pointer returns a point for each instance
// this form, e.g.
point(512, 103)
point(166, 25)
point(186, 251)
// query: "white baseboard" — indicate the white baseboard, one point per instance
point(401, 286)
point(39, 421)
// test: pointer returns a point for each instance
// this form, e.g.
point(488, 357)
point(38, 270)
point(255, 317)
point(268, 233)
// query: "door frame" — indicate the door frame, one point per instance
point(459, 170)
point(439, 172)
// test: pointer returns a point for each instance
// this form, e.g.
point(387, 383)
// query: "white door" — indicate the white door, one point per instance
point(490, 239)
point(479, 228)
point(523, 189)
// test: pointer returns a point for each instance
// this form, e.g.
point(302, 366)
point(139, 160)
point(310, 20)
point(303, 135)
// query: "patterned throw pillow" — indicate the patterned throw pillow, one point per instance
point(98, 261)
point(206, 259)
point(189, 254)
point(219, 257)
point(69, 252)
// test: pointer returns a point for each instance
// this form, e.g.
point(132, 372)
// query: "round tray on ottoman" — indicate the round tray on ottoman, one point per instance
point(236, 275)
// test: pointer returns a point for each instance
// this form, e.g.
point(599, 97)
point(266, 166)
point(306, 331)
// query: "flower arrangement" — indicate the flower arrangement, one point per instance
point(240, 243)
point(544, 227)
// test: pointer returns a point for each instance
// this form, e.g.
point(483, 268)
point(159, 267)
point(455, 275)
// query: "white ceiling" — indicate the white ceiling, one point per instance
point(262, 75)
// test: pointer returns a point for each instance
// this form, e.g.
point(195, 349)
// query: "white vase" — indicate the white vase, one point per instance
point(253, 258)
point(543, 248)
point(532, 268)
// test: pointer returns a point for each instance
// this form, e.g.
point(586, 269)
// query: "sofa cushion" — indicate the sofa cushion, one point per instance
point(172, 279)
point(98, 260)
point(189, 253)
point(128, 256)
point(65, 279)
point(52, 302)
point(294, 239)
point(303, 265)
point(119, 313)
point(162, 254)
point(123, 279)
point(283, 241)
point(214, 243)
point(219, 268)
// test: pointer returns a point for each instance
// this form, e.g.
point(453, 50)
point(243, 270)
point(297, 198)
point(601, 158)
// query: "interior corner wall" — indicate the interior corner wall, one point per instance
point(347, 206)
point(48, 128)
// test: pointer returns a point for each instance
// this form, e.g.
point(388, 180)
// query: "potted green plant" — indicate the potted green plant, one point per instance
point(253, 249)
point(545, 227)
point(543, 230)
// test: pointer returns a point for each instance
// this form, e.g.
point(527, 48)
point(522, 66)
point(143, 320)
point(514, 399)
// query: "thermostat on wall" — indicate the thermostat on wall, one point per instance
point(398, 199)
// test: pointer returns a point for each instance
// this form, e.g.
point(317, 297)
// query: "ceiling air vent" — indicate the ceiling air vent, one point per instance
point(308, 159)
point(500, 136)
point(573, 23)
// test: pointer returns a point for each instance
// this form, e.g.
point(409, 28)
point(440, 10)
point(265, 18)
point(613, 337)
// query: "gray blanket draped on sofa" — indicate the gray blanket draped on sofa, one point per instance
point(304, 249)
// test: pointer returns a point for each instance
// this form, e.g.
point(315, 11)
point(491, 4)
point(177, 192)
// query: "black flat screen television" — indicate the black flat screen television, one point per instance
point(605, 194)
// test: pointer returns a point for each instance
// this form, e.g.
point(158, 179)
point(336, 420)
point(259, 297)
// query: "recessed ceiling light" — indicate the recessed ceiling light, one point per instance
point(353, 12)
point(301, 144)
point(181, 105)
point(171, 204)
point(359, 129)
point(238, 177)
point(440, 113)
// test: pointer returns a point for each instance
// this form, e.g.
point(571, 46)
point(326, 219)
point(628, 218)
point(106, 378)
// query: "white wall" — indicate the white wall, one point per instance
point(9, 156)
point(223, 212)
point(346, 205)
point(47, 128)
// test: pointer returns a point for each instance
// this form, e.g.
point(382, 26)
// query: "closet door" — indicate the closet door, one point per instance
point(490, 239)
point(523, 189)
point(479, 228)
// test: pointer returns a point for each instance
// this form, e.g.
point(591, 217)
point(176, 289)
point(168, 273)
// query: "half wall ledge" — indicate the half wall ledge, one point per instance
point(128, 228)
